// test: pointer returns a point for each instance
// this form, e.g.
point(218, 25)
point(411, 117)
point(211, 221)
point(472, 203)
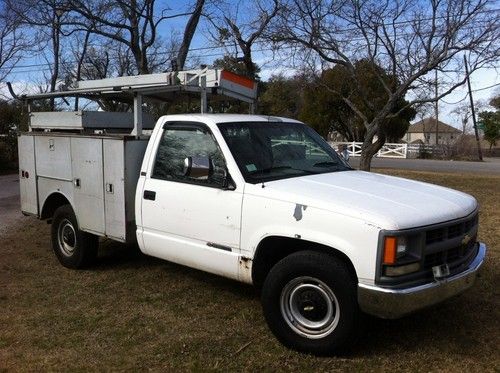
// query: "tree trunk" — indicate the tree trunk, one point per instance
point(78, 74)
point(143, 65)
point(56, 28)
point(189, 31)
point(365, 161)
point(246, 49)
point(370, 148)
point(140, 59)
point(368, 151)
point(247, 57)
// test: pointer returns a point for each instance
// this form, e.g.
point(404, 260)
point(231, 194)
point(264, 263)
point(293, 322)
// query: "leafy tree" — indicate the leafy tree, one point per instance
point(12, 119)
point(489, 122)
point(282, 96)
point(325, 111)
point(325, 106)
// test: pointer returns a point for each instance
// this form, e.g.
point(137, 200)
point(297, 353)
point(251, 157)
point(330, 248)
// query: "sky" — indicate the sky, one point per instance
point(485, 82)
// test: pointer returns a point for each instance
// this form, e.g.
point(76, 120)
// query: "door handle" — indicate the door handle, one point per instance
point(149, 194)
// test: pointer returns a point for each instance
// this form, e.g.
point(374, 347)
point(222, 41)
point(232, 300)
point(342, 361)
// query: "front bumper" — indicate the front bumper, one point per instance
point(394, 303)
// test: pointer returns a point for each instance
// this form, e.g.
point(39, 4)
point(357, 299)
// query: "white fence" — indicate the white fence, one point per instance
point(389, 150)
point(425, 151)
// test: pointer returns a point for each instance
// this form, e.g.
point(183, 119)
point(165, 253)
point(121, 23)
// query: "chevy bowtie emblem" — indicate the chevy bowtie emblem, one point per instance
point(465, 240)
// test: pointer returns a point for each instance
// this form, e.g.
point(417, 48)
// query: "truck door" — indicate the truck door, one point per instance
point(189, 219)
point(87, 165)
point(27, 177)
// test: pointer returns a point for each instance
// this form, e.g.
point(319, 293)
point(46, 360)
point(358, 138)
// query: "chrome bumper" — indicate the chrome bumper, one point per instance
point(394, 303)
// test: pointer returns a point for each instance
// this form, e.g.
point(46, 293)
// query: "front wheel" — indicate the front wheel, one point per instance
point(310, 304)
point(73, 247)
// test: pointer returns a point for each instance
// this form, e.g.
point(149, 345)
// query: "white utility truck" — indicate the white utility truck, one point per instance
point(258, 199)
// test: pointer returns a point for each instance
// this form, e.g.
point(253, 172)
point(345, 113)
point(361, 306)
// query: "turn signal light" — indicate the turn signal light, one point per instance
point(390, 246)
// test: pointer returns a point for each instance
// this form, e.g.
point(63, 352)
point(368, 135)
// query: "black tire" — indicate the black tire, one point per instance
point(74, 248)
point(310, 303)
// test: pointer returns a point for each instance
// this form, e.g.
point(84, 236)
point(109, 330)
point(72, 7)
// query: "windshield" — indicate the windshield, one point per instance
point(270, 151)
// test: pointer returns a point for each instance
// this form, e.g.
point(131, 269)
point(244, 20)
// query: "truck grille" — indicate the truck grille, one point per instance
point(450, 256)
point(453, 244)
point(451, 231)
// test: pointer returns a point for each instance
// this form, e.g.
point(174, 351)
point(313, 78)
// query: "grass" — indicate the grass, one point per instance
point(132, 312)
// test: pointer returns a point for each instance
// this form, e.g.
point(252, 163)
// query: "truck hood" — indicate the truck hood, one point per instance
point(386, 201)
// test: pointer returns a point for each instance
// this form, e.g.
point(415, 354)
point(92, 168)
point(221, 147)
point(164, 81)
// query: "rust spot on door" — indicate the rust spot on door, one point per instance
point(245, 269)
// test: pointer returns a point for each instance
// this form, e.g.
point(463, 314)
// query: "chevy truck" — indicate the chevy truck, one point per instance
point(258, 199)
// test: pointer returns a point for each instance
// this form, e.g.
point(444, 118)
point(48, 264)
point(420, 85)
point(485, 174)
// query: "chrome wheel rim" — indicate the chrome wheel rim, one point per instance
point(309, 307)
point(67, 237)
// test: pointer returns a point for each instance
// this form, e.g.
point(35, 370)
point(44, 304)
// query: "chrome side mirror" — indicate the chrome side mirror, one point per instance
point(198, 167)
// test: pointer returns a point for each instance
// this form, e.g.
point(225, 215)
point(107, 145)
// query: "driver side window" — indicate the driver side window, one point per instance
point(180, 142)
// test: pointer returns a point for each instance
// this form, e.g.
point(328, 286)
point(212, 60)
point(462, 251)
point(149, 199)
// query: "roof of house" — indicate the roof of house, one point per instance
point(417, 142)
point(429, 124)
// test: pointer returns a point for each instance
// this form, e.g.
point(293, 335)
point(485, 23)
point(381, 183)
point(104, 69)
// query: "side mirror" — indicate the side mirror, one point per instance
point(198, 167)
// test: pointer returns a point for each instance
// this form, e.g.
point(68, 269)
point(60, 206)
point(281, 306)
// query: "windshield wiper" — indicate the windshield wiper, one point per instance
point(277, 168)
point(325, 164)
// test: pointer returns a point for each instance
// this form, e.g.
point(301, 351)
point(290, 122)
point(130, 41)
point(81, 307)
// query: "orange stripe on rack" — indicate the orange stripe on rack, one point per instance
point(238, 79)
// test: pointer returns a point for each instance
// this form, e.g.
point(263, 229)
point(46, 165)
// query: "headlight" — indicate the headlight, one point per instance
point(401, 247)
point(398, 258)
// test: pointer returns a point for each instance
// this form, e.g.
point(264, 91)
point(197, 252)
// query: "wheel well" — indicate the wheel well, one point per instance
point(52, 203)
point(272, 249)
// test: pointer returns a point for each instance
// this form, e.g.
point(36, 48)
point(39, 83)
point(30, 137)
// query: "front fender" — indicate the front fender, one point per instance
point(352, 237)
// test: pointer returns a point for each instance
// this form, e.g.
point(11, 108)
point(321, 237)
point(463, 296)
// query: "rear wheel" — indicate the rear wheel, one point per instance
point(310, 304)
point(73, 248)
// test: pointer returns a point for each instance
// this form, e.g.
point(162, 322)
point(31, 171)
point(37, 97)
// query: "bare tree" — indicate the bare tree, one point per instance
point(244, 33)
point(464, 113)
point(78, 46)
point(12, 41)
point(101, 59)
point(410, 39)
point(134, 23)
point(47, 20)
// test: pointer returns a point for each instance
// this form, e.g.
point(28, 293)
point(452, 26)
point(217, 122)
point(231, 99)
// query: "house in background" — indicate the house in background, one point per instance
point(425, 131)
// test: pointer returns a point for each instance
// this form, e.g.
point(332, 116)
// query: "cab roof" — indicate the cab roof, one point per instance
point(227, 118)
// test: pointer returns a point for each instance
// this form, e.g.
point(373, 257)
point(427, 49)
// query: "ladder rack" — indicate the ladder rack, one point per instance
point(153, 87)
